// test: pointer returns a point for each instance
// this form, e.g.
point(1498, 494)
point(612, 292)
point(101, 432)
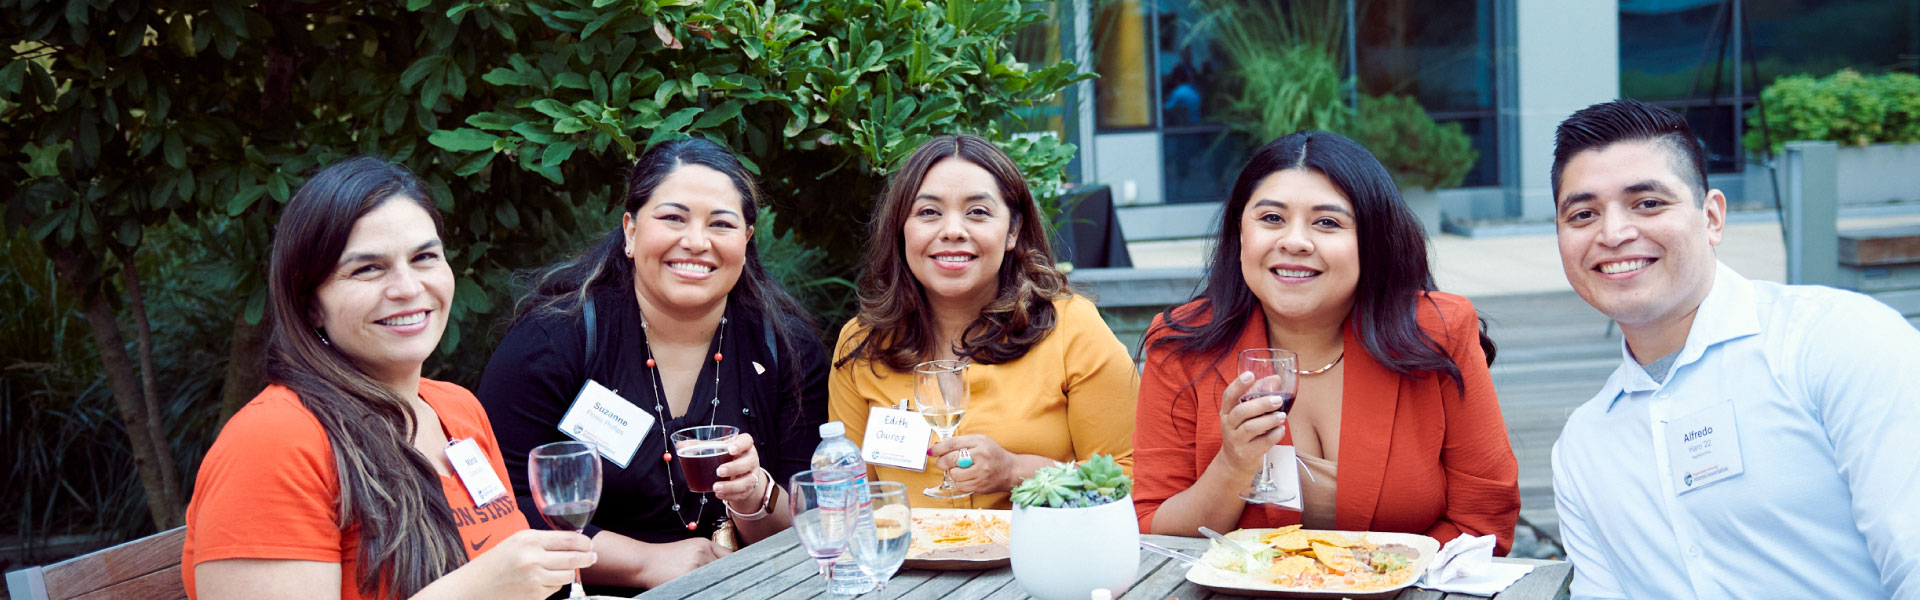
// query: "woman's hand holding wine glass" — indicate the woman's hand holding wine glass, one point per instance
point(565, 477)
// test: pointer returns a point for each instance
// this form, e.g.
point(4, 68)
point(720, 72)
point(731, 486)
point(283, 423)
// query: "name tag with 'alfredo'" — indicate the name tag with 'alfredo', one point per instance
point(1704, 448)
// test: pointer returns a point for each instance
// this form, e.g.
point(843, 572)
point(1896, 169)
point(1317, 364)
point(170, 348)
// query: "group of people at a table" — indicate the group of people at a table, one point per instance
point(1756, 440)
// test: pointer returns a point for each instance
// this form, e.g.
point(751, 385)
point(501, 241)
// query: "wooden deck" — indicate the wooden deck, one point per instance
point(1555, 352)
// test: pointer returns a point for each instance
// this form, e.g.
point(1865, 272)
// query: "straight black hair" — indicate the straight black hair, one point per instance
point(563, 288)
point(1394, 274)
point(1628, 120)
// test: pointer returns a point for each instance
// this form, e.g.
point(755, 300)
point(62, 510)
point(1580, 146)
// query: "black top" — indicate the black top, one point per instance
point(540, 367)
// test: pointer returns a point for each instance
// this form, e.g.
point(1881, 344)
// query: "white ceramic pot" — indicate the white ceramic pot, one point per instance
point(1066, 553)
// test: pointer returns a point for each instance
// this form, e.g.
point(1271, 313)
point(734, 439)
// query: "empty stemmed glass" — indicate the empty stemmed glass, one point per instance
point(1273, 375)
point(820, 516)
point(881, 538)
point(940, 395)
point(565, 477)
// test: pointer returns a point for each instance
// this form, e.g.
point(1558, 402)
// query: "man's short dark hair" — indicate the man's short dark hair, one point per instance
point(1628, 120)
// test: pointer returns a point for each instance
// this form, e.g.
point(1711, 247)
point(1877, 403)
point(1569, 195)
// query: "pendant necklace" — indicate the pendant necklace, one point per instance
point(659, 408)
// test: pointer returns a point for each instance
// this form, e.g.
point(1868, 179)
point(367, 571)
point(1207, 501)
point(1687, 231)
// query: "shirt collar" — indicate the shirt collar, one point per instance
point(1729, 312)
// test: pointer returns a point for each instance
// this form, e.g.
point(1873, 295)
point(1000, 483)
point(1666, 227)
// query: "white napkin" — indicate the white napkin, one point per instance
point(1465, 566)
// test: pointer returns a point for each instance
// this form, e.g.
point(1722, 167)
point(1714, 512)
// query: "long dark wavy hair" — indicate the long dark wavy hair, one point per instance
point(898, 324)
point(387, 488)
point(563, 288)
point(1394, 274)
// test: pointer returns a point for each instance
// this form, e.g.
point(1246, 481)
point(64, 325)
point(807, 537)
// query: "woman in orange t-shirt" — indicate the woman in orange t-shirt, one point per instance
point(1395, 423)
point(335, 482)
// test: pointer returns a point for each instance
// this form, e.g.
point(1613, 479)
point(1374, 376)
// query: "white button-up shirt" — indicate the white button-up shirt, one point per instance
point(1825, 390)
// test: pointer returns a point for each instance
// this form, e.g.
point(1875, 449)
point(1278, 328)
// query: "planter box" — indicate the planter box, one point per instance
point(1426, 205)
point(1879, 174)
point(1875, 175)
point(1066, 553)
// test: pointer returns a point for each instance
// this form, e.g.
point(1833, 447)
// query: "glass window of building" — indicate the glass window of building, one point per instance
point(1440, 53)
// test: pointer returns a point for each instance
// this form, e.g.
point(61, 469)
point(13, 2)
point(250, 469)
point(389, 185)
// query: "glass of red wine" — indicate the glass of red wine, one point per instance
point(701, 451)
point(565, 477)
point(1274, 375)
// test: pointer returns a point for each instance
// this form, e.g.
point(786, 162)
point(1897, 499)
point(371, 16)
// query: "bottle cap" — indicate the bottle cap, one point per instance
point(832, 429)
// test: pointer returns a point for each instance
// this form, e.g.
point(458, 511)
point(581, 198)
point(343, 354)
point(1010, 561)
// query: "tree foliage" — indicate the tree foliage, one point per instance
point(123, 119)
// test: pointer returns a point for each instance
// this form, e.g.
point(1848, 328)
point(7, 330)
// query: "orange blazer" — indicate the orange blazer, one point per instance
point(1416, 455)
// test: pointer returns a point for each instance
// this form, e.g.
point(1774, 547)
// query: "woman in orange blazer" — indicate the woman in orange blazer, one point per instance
point(1396, 423)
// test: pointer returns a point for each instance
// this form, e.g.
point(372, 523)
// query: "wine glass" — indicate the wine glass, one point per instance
point(940, 395)
point(701, 451)
point(1273, 375)
point(881, 538)
point(820, 516)
point(565, 477)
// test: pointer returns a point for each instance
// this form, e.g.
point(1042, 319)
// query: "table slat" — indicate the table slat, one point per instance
point(778, 569)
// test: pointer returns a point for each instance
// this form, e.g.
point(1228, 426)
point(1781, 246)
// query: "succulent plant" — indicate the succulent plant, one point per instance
point(1072, 485)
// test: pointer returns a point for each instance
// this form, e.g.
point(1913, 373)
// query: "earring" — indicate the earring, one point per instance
point(323, 336)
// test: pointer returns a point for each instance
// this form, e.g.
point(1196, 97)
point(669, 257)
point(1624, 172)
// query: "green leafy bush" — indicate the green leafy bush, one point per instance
point(1419, 152)
point(1069, 485)
point(1845, 107)
point(1288, 77)
point(129, 126)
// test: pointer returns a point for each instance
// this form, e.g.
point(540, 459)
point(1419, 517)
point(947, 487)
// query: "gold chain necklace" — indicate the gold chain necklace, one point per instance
point(1336, 360)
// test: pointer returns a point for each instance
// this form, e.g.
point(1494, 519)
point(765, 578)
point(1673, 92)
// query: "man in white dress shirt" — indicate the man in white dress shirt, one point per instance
point(1758, 440)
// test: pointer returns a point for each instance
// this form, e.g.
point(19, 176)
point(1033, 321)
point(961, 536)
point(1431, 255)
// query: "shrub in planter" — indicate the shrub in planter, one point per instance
point(1845, 107)
point(1419, 152)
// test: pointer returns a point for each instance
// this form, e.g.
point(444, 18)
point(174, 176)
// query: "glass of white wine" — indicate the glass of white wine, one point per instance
point(940, 395)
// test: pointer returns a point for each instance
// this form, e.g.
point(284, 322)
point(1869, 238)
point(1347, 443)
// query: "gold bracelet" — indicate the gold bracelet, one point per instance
point(766, 501)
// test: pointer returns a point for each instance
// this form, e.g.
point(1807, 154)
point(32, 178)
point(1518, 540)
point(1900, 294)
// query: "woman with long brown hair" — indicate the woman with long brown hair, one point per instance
point(672, 318)
point(959, 267)
point(336, 481)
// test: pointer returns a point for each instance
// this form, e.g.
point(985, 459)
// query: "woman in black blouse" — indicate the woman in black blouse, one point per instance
point(675, 314)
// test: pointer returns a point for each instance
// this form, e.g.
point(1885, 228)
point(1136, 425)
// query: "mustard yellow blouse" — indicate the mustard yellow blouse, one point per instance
point(1070, 397)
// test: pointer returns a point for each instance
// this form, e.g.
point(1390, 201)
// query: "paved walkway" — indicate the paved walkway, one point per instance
point(1555, 351)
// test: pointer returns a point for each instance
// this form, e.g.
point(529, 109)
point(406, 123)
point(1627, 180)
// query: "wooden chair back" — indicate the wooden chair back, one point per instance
point(144, 569)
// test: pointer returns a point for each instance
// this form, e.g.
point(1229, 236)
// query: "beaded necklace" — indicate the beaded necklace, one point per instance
point(659, 408)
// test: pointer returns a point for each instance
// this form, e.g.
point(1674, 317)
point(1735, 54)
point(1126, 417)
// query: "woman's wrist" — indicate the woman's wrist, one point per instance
point(766, 499)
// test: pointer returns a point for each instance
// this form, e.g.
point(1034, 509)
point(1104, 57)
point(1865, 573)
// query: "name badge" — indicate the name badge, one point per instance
point(475, 472)
point(601, 417)
point(1704, 448)
point(1286, 475)
point(896, 438)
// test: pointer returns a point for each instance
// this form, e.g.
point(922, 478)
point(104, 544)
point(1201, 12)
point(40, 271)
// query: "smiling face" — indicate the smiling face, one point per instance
point(1299, 247)
point(688, 241)
point(957, 234)
point(1633, 240)
point(385, 304)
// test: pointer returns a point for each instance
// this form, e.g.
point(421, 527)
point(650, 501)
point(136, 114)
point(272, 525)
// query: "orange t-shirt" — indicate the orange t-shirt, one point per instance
point(268, 488)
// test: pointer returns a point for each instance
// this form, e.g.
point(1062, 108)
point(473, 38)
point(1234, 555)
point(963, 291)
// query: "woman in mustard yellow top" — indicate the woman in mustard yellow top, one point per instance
point(959, 268)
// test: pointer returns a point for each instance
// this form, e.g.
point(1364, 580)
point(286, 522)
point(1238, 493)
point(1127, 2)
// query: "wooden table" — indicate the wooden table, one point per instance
point(779, 569)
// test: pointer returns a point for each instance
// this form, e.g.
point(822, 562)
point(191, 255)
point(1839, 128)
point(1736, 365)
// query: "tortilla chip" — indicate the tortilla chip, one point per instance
point(1337, 559)
point(1330, 538)
point(1270, 535)
point(1292, 540)
point(1291, 566)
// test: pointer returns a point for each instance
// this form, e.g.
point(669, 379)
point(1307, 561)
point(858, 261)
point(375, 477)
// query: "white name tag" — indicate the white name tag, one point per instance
point(475, 472)
point(896, 438)
point(1704, 448)
point(1286, 475)
point(601, 417)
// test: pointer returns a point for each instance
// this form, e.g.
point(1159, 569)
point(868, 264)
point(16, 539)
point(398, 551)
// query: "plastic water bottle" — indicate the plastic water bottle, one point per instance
point(840, 455)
